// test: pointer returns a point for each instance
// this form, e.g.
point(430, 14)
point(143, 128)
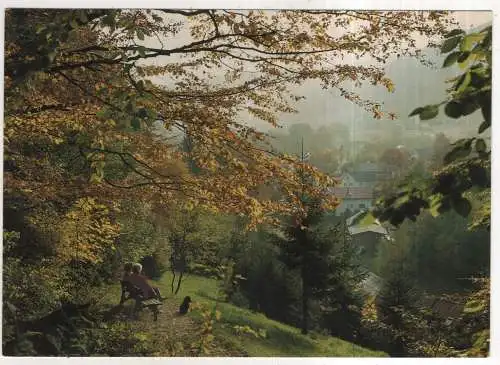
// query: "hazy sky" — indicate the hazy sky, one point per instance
point(326, 106)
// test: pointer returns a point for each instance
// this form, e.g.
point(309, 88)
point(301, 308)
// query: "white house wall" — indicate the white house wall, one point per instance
point(353, 205)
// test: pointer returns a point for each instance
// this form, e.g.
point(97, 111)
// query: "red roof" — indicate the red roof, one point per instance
point(353, 193)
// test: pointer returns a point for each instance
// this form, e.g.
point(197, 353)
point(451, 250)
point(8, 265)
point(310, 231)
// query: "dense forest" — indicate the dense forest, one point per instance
point(132, 152)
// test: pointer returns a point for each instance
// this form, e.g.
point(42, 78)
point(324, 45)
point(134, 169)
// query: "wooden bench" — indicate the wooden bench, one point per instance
point(130, 291)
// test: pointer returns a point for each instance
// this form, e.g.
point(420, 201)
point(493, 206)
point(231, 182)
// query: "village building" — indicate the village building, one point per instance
point(356, 187)
point(353, 199)
point(369, 174)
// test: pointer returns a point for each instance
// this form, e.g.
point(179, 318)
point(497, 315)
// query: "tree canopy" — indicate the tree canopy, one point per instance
point(84, 89)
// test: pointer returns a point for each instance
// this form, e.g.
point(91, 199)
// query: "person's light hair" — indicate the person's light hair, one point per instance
point(137, 268)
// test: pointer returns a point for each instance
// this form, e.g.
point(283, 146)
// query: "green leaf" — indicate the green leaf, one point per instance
point(450, 44)
point(474, 306)
point(453, 109)
point(486, 111)
point(458, 81)
point(40, 28)
point(461, 206)
point(463, 56)
point(478, 78)
point(479, 176)
point(469, 106)
point(461, 150)
point(484, 126)
point(401, 201)
point(416, 112)
point(481, 339)
point(489, 58)
point(397, 218)
point(469, 41)
point(451, 59)
point(465, 82)
point(140, 34)
point(429, 112)
point(435, 205)
point(464, 65)
point(142, 51)
point(480, 145)
point(454, 32)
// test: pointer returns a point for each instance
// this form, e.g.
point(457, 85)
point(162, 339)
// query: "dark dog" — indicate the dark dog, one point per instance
point(184, 307)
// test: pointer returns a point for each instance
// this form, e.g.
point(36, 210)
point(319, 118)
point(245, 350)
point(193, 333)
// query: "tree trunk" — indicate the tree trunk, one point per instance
point(172, 268)
point(173, 280)
point(179, 282)
point(305, 305)
point(182, 268)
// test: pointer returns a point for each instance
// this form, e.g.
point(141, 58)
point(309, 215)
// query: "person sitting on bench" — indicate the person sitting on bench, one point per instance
point(142, 283)
point(127, 271)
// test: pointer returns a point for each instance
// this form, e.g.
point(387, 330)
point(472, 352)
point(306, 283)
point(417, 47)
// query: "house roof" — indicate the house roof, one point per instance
point(369, 166)
point(353, 192)
point(375, 228)
point(356, 228)
point(353, 219)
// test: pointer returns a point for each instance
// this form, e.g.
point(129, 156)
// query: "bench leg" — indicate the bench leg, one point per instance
point(155, 312)
point(137, 308)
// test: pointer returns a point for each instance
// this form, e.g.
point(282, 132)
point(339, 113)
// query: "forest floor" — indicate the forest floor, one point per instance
point(277, 339)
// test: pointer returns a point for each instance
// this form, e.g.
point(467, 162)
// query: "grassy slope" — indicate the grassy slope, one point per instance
point(281, 339)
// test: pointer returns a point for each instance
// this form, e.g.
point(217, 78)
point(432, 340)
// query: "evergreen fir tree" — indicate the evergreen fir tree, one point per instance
point(397, 296)
point(324, 257)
